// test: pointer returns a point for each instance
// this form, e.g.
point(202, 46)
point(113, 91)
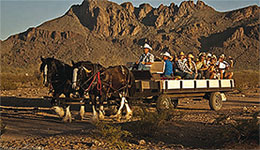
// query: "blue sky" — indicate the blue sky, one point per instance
point(18, 15)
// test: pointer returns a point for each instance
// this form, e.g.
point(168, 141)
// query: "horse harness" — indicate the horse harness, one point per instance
point(99, 82)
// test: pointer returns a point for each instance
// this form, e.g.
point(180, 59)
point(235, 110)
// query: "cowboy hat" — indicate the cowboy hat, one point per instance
point(167, 54)
point(209, 55)
point(147, 46)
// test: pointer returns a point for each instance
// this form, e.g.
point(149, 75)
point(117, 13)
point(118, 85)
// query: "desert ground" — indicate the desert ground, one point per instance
point(31, 123)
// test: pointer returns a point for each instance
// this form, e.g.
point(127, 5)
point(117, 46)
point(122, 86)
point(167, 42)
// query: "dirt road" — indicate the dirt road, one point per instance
point(30, 123)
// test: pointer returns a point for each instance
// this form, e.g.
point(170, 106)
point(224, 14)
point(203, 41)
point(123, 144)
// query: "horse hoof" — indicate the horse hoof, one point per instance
point(101, 117)
point(94, 119)
point(129, 116)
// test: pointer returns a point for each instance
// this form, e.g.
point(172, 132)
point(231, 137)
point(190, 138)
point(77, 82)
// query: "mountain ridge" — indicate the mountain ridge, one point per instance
point(111, 34)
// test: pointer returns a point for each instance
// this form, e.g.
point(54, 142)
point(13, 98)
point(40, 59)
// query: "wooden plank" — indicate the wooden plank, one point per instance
point(188, 84)
point(157, 67)
point(145, 84)
point(225, 83)
point(63, 98)
point(73, 103)
point(187, 95)
point(201, 83)
point(24, 108)
point(174, 84)
point(213, 83)
point(199, 90)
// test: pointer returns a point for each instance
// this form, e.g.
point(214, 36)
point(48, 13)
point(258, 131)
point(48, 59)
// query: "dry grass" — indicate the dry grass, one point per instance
point(243, 130)
point(149, 123)
point(2, 127)
point(247, 79)
point(112, 134)
point(12, 81)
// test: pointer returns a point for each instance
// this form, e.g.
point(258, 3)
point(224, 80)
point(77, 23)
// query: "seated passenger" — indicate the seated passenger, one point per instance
point(181, 69)
point(201, 66)
point(191, 67)
point(211, 72)
point(223, 66)
point(208, 58)
point(146, 59)
point(168, 70)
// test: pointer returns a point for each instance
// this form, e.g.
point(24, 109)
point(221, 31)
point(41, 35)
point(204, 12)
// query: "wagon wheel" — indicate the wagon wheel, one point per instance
point(215, 101)
point(164, 102)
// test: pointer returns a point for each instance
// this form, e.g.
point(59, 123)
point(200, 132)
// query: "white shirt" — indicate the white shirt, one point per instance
point(222, 65)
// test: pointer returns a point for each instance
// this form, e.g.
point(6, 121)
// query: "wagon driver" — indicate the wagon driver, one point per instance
point(146, 59)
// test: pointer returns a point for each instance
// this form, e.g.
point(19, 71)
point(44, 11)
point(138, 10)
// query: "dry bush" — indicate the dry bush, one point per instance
point(243, 130)
point(246, 79)
point(150, 123)
point(112, 134)
point(5, 85)
point(2, 127)
point(10, 81)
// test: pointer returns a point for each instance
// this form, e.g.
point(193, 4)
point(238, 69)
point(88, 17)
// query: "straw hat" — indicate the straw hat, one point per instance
point(191, 56)
point(181, 54)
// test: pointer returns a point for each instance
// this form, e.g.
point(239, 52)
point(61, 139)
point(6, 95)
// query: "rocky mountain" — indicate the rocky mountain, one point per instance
point(109, 33)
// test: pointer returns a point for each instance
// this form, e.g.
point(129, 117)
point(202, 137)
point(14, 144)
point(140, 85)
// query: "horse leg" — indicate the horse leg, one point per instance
point(67, 117)
point(94, 104)
point(129, 112)
point(82, 111)
point(101, 109)
point(58, 109)
point(81, 114)
point(118, 114)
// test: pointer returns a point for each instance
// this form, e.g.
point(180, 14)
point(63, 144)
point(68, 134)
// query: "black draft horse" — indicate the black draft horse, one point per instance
point(83, 72)
point(116, 82)
point(58, 76)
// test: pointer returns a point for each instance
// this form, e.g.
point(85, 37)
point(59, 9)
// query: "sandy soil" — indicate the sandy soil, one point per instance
point(30, 123)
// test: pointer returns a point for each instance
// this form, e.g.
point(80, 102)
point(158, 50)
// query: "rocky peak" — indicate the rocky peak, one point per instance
point(200, 4)
point(244, 13)
point(188, 7)
point(238, 35)
point(107, 18)
point(129, 6)
point(143, 10)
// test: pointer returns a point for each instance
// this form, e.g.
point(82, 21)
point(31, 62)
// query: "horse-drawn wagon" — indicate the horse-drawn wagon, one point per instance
point(118, 82)
point(167, 92)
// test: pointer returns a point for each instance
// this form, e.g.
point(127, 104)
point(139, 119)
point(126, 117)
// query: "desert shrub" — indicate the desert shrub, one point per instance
point(112, 134)
point(5, 85)
point(246, 79)
point(149, 123)
point(2, 127)
point(244, 130)
point(13, 81)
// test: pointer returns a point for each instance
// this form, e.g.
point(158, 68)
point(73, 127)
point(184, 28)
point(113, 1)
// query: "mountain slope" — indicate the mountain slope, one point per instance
point(111, 34)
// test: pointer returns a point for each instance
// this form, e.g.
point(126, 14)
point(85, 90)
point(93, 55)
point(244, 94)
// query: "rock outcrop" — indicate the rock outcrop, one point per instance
point(111, 34)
